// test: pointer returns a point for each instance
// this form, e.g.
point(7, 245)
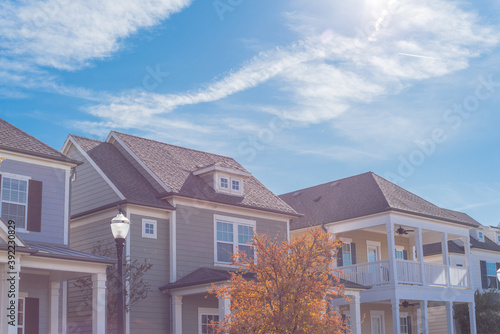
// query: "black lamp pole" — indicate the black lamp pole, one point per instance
point(121, 304)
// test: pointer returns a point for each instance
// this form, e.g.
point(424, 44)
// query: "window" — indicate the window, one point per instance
point(491, 272)
point(498, 238)
point(149, 228)
point(480, 236)
point(208, 319)
point(346, 254)
point(401, 254)
point(235, 185)
point(403, 324)
point(232, 234)
point(224, 183)
point(377, 322)
point(14, 200)
point(20, 316)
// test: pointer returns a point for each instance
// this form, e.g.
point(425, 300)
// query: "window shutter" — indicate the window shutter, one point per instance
point(353, 252)
point(405, 254)
point(35, 206)
point(484, 276)
point(32, 312)
point(408, 321)
point(340, 261)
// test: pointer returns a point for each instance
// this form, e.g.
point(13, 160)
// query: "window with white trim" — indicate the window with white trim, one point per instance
point(498, 238)
point(207, 320)
point(229, 184)
point(14, 200)
point(224, 183)
point(491, 272)
point(149, 228)
point(404, 323)
point(20, 315)
point(480, 235)
point(232, 234)
point(400, 252)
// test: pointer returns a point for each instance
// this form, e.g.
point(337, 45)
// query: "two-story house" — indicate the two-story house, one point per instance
point(189, 211)
point(384, 230)
point(35, 259)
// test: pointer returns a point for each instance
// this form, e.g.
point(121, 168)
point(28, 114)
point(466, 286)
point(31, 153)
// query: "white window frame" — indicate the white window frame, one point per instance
point(480, 236)
point(378, 245)
point(235, 222)
point(21, 178)
point(23, 296)
point(498, 238)
point(495, 279)
point(405, 316)
point(206, 311)
point(230, 179)
point(400, 249)
point(346, 241)
point(380, 315)
point(155, 226)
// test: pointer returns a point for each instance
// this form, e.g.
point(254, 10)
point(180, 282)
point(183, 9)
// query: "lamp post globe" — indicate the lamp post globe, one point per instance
point(120, 227)
point(498, 274)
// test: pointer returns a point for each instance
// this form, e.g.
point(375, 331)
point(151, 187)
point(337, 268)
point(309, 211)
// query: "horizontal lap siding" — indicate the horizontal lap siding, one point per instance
point(195, 236)
point(53, 190)
point(151, 315)
point(37, 286)
point(89, 190)
point(190, 305)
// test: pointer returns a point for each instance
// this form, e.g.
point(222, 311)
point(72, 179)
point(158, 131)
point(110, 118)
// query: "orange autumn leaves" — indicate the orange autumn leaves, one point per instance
point(289, 288)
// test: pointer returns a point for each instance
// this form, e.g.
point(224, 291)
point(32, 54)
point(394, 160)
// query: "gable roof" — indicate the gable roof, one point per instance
point(359, 196)
point(488, 244)
point(176, 166)
point(132, 184)
point(16, 140)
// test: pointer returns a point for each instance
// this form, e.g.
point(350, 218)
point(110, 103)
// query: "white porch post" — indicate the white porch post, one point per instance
point(391, 249)
point(355, 313)
point(99, 303)
point(468, 259)
point(424, 314)
point(446, 258)
point(420, 253)
point(396, 325)
point(472, 317)
point(449, 318)
point(224, 308)
point(177, 314)
point(9, 297)
point(54, 307)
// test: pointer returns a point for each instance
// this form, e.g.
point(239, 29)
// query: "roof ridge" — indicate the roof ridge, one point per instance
point(82, 137)
point(178, 146)
point(329, 182)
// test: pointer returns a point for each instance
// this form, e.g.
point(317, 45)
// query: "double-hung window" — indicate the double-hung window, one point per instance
point(491, 272)
point(14, 200)
point(232, 234)
point(346, 254)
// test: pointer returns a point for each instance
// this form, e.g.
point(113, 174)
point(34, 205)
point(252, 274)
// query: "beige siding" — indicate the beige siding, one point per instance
point(437, 319)
point(190, 305)
point(195, 227)
point(89, 190)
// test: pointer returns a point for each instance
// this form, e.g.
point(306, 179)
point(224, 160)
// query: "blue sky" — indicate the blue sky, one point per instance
point(299, 92)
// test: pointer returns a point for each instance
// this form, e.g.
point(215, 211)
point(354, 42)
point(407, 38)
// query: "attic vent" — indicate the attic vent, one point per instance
point(333, 184)
point(317, 199)
point(296, 194)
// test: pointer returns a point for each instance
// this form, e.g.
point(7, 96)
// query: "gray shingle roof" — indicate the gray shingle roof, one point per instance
point(206, 275)
point(488, 244)
point(175, 165)
point(16, 140)
point(359, 196)
point(121, 173)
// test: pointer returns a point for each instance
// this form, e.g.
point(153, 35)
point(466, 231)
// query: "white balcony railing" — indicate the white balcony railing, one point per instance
point(368, 274)
point(408, 272)
point(435, 274)
point(459, 276)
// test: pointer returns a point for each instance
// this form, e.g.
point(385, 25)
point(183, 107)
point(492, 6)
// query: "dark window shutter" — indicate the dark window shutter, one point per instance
point(32, 312)
point(353, 252)
point(484, 276)
point(35, 206)
point(405, 254)
point(340, 261)
point(408, 319)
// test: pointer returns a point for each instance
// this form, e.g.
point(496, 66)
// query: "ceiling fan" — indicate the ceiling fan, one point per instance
point(406, 303)
point(401, 230)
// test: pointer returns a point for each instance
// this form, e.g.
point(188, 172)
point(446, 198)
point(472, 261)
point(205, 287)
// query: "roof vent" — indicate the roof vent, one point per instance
point(333, 184)
point(296, 194)
point(317, 199)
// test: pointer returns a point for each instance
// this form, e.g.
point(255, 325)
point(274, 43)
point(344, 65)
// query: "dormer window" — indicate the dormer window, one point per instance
point(224, 180)
point(224, 183)
point(498, 238)
point(235, 185)
point(480, 236)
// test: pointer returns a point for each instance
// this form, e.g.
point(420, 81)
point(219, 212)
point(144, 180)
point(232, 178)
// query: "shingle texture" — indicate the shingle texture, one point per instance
point(16, 140)
point(435, 248)
point(175, 165)
point(359, 196)
point(121, 173)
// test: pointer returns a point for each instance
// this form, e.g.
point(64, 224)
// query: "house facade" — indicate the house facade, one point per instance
point(189, 211)
point(387, 236)
point(35, 259)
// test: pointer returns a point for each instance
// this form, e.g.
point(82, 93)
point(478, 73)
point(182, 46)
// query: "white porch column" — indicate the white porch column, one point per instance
point(355, 313)
point(468, 260)
point(420, 253)
point(449, 318)
point(224, 308)
point(396, 322)
point(54, 307)
point(99, 303)
point(472, 317)
point(424, 314)
point(391, 249)
point(446, 258)
point(177, 314)
point(9, 296)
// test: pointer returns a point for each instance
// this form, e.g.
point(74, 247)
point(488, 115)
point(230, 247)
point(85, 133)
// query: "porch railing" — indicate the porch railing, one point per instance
point(368, 274)
point(459, 276)
point(435, 274)
point(408, 272)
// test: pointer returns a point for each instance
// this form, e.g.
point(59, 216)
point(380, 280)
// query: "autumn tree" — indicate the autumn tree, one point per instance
point(287, 289)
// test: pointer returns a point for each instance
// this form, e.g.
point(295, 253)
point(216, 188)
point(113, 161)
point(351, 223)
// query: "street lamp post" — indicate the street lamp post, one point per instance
point(120, 226)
